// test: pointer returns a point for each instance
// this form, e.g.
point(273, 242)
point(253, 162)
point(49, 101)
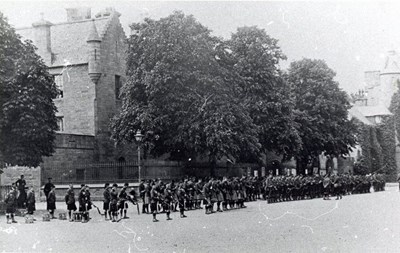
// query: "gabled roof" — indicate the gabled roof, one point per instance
point(68, 40)
point(355, 113)
point(370, 111)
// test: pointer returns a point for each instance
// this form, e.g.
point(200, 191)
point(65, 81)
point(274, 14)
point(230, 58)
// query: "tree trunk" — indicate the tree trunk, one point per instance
point(213, 166)
point(301, 165)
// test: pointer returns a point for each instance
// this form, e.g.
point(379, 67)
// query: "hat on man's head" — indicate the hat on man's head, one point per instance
point(82, 185)
point(115, 185)
point(49, 178)
point(126, 184)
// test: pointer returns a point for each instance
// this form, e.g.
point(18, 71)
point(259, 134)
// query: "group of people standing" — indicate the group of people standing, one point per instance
point(20, 196)
point(215, 194)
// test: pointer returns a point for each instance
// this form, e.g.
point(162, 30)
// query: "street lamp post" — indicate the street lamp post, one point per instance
point(139, 138)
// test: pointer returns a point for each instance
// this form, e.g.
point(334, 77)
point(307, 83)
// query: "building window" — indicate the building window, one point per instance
point(117, 86)
point(378, 119)
point(58, 79)
point(60, 123)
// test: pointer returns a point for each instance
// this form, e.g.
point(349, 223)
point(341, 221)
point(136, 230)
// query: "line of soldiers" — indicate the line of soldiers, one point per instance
point(191, 193)
point(231, 193)
point(286, 188)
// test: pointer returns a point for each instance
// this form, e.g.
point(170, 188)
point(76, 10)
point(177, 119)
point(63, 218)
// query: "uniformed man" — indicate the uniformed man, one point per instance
point(70, 201)
point(141, 194)
point(21, 184)
point(84, 199)
point(47, 187)
point(114, 203)
point(181, 194)
point(106, 201)
point(146, 197)
point(327, 186)
point(51, 202)
point(154, 200)
point(122, 204)
point(166, 200)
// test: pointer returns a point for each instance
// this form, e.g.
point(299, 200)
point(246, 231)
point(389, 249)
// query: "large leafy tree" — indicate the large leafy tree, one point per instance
point(321, 112)
point(180, 90)
point(27, 111)
point(262, 90)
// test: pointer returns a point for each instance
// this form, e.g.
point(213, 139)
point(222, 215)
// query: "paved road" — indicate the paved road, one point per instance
point(357, 223)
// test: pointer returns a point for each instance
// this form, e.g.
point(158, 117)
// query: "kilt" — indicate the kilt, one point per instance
point(228, 197)
point(240, 195)
point(220, 197)
point(206, 201)
point(113, 207)
point(106, 205)
point(234, 196)
point(166, 206)
point(10, 209)
point(51, 206)
point(214, 197)
point(71, 207)
point(146, 200)
point(200, 196)
point(31, 207)
point(153, 207)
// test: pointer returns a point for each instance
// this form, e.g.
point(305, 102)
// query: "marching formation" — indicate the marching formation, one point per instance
point(216, 195)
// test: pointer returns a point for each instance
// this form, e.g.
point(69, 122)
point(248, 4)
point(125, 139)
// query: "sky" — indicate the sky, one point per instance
point(351, 36)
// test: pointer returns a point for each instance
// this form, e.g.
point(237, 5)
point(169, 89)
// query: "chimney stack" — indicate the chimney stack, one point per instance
point(42, 39)
point(78, 14)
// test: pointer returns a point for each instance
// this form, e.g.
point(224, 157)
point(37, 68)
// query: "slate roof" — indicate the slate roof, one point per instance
point(376, 110)
point(354, 113)
point(68, 40)
point(363, 112)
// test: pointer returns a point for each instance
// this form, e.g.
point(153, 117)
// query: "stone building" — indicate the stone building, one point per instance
point(372, 103)
point(86, 56)
point(380, 85)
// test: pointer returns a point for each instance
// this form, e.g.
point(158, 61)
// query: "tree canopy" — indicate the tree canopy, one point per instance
point(179, 89)
point(321, 111)
point(194, 94)
point(27, 111)
point(262, 89)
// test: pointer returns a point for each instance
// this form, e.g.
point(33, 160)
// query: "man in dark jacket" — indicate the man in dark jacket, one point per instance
point(21, 184)
point(106, 201)
point(51, 202)
point(47, 187)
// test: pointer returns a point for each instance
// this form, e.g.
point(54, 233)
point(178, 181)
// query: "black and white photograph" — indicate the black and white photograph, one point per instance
point(199, 126)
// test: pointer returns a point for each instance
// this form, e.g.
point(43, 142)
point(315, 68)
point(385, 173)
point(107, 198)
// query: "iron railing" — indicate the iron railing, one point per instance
point(108, 172)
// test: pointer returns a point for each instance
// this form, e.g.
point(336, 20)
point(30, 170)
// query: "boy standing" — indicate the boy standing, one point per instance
point(70, 201)
point(11, 203)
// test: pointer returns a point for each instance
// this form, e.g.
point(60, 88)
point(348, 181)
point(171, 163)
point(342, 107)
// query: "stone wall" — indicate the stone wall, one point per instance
point(113, 48)
point(70, 149)
point(77, 104)
point(32, 177)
